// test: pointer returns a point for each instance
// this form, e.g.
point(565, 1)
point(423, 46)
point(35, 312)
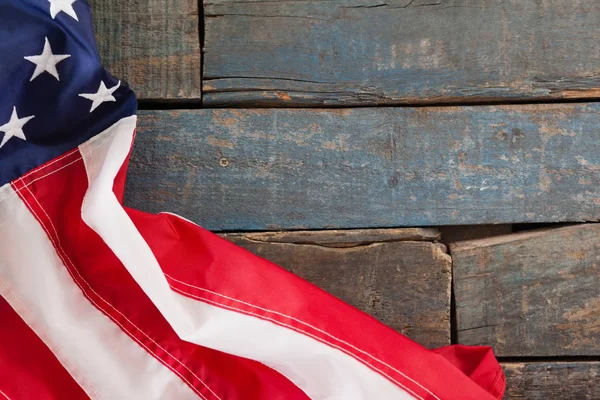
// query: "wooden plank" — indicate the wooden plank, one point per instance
point(153, 45)
point(552, 380)
point(530, 294)
point(365, 52)
point(275, 169)
point(404, 284)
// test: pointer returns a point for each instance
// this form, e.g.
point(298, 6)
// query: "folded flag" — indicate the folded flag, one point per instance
point(105, 302)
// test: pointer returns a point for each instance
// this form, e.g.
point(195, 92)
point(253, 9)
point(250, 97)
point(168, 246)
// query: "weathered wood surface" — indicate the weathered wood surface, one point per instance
point(153, 45)
point(359, 52)
point(403, 283)
point(531, 293)
point(552, 380)
point(272, 169)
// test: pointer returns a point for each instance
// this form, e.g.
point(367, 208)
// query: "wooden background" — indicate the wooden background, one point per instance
point(434, 163)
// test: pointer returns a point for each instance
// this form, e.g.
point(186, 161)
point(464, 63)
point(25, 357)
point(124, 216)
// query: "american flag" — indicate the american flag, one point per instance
point(101, 301)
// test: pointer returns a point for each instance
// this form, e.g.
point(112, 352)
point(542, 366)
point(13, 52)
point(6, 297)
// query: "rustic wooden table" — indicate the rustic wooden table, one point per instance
point(388, 151)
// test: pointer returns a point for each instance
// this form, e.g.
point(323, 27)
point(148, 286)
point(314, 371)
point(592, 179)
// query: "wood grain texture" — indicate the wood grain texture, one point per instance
point(276, 169)
point(552, 380)
point(404, 284)
point(532, 293)
point(365, 52)
point(153, 45)
point(346, 238)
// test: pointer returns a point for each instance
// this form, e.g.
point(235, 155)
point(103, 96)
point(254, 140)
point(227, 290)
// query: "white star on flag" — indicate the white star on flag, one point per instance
point(14, 127)
point(103, 94)
point(46, 62)
point(65, 6)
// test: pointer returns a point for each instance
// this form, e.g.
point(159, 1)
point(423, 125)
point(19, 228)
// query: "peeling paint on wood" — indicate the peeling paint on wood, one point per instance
point(153, 45)
point(533, 293)
point(552, 380)
point(404, 284)
point(366, 52)
point(274, 169)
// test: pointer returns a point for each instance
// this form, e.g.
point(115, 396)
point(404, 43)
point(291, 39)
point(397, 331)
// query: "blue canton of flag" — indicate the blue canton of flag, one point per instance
point(55, 93)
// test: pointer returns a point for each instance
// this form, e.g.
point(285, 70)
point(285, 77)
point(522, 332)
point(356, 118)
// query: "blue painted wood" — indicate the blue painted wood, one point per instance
point(151, 44)
point(266, 169)
point(358, 52)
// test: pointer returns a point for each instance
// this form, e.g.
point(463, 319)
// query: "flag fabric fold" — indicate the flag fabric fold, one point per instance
point(101, 301)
